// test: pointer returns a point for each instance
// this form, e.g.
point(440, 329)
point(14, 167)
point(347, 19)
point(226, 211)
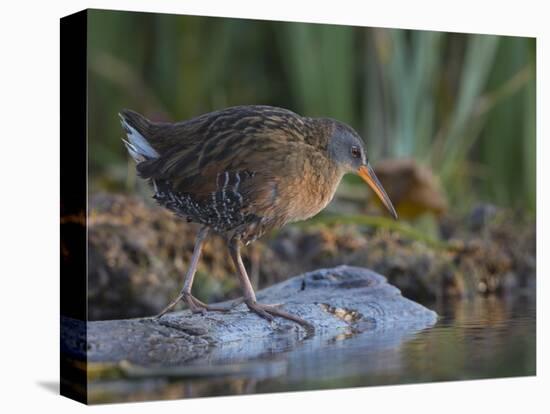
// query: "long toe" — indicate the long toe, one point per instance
point(217, 308)
point(195, 305)
point(197, 310)
point(259, 309)
point(170, 306)
point(273, 306)
point(278, 312)
point(268, 311)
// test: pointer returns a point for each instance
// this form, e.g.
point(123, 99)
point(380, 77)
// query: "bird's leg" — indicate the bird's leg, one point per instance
point(193, 303)
point(265, 311)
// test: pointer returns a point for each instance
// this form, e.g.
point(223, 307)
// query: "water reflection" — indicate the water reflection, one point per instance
point(481, 338)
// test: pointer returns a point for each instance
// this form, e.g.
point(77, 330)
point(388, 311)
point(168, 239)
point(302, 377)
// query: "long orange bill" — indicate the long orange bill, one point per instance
point(367, 173)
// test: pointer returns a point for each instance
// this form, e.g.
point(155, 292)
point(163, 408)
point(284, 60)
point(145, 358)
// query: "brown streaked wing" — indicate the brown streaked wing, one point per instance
point(252, 139)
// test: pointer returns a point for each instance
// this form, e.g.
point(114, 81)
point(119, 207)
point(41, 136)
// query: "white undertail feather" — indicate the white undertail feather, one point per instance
point(137, 145)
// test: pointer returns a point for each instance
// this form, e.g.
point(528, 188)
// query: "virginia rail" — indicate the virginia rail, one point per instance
point(243, 171)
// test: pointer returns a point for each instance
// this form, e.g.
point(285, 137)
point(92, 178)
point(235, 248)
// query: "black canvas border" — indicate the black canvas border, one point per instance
point(73, 205)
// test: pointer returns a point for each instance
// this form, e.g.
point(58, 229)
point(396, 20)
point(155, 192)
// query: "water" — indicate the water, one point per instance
point(482, 338)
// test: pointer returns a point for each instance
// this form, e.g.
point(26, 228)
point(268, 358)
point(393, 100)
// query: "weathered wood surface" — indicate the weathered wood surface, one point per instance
point(342, 300)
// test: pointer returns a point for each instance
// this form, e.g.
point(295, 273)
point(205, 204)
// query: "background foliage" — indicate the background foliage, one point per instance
point(462, 104)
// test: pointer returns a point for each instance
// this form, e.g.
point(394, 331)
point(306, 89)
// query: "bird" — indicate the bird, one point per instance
point(241, 172)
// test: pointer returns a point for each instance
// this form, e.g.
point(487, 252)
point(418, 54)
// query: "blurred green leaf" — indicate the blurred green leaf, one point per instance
point(462, 104)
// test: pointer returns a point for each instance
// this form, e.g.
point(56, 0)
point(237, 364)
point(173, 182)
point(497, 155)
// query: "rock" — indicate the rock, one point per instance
point(339, 300)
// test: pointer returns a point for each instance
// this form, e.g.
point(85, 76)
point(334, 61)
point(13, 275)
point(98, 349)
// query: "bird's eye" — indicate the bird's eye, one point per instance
point(355, 152)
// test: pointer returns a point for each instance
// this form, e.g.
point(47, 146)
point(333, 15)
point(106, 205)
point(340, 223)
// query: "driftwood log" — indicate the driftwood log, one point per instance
point(339, 300)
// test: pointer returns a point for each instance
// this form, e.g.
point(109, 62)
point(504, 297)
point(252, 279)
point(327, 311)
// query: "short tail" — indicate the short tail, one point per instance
point(136, 126)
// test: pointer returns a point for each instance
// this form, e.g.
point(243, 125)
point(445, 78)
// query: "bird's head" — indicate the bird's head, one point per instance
point(346, 149)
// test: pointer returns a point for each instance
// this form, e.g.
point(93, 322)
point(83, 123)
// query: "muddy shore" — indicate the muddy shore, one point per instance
point(138, 253)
